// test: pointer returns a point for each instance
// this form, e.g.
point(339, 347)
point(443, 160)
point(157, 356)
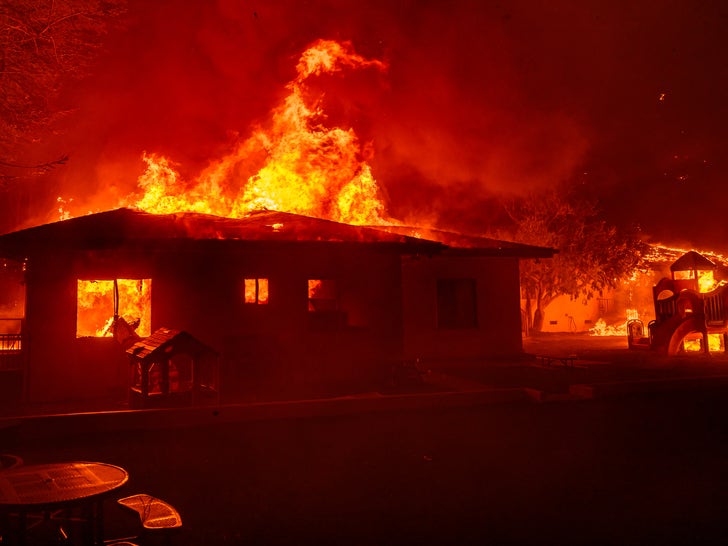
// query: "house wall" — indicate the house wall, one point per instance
point(276, 349)
point(565, 314)
point(266, 350)
point(61, 366)
point(498, 329)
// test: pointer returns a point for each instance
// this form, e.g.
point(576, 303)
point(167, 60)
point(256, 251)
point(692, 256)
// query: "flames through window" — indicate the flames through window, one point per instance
point(325, 311)
point(99, 301)
point(256, 291)
point(322, 295)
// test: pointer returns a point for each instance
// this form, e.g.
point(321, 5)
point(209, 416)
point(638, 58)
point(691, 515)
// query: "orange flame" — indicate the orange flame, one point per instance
point(694, 343)
point(706, 281)
point(307, 167)
point(601, 328)
point(256, 291)
point(95, 306)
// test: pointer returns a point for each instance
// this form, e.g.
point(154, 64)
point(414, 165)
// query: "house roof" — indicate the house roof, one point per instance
point(121, 226)
point(115, 228)
point(473, 244)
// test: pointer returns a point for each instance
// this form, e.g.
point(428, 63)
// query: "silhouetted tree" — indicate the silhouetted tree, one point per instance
point(592, 255)
point(44, 44)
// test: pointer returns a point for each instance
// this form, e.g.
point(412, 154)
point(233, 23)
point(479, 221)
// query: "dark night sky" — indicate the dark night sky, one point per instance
point(481, 99)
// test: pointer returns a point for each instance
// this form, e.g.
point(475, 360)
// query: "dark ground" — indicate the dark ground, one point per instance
point(639, 469)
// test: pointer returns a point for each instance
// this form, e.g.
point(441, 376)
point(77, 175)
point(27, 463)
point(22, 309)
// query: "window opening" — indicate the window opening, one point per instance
point(99, 302)
point(684, 275)
point(256, 291)
point(456, 303)
point(322, 295)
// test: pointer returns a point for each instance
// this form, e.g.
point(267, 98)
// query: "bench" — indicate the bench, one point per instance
point(566, 360)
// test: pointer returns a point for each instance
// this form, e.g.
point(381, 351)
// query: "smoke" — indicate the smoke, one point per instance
point(479, 100)
point(452, 118)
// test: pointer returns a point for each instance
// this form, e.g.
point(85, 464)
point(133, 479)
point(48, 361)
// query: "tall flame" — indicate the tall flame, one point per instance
point(307, 167)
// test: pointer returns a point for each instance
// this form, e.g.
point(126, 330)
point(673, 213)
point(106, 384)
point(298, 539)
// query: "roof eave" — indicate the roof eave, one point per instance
point(520, 253)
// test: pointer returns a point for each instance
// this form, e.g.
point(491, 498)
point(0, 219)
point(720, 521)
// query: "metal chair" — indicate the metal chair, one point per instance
point(157, 517)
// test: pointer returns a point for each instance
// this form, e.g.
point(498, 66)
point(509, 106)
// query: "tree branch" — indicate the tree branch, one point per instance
point(44, 167)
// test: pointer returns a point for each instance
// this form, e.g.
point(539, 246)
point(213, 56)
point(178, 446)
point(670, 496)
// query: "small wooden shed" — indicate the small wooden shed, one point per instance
point(172, 368)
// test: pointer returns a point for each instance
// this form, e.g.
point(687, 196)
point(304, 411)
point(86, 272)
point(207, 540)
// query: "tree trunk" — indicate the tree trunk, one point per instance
point(527, 317)
point(539, 314)
point(538, 320)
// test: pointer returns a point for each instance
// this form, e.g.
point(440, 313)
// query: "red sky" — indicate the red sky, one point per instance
point(480, 99)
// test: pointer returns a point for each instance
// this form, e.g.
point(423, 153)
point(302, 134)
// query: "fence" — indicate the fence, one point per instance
point(12, 356)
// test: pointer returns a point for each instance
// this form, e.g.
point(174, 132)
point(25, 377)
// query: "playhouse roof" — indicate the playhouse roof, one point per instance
point(167, 342)
point(692, 260)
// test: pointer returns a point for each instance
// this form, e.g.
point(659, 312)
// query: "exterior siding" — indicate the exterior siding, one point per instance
point(497, 332)
point(266, 350)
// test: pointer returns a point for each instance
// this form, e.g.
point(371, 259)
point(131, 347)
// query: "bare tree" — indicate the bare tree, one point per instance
point(44, 44)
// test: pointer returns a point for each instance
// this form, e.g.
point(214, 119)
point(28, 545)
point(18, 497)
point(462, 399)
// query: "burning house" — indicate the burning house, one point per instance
point(293, 305)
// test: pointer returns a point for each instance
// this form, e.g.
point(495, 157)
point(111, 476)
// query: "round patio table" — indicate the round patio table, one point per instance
point(44, 488)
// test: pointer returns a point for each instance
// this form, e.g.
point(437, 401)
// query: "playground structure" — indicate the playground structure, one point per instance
point(691, 310)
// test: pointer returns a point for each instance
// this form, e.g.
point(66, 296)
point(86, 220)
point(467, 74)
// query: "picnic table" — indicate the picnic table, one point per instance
point(45, 488)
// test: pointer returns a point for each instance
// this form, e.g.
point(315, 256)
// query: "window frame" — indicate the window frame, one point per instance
point(457, 303)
